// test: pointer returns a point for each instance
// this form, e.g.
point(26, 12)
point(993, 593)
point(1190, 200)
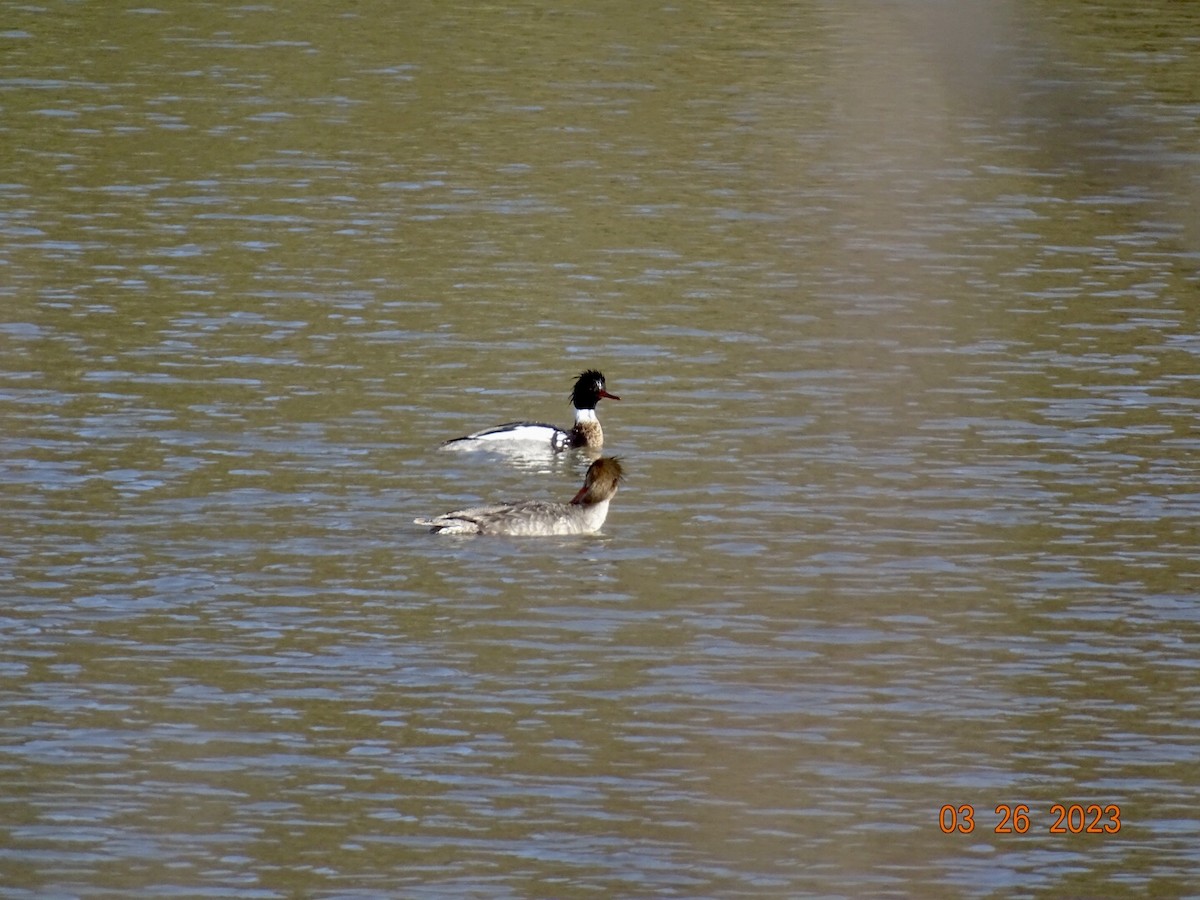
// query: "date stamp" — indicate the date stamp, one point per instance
point(1077, 818)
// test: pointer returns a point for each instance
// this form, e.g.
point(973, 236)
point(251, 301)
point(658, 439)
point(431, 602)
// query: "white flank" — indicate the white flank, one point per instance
point(520, 433)
point(517, 434)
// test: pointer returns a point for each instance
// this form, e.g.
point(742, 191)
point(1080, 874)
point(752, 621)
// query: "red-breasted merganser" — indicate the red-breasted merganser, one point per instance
point(588, 391)
point(584, 514)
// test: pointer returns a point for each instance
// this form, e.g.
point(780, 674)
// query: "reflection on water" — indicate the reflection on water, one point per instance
point(901, 307)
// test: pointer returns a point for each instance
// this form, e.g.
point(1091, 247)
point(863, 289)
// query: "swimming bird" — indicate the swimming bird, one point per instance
point(588, 391)
point(583, 515)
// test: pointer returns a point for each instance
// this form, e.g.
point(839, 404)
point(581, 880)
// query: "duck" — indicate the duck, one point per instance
point(583, 515)
point(587, 393)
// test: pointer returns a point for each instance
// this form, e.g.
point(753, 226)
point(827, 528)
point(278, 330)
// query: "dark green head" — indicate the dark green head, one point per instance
point(589, 390)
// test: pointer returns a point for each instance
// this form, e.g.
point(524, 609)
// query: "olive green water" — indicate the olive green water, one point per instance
point(901, 300)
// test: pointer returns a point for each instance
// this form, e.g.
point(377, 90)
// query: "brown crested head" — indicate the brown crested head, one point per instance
point(601, 481)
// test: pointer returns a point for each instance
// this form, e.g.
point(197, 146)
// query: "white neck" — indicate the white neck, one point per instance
point(593, 515)
point(583, 416)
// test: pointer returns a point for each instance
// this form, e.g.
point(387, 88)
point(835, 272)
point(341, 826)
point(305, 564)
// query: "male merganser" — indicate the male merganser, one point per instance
point(588, 391)
point(584, 514)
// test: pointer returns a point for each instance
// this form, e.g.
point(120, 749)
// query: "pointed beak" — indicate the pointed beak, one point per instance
point(604, 393)
point(578, 498)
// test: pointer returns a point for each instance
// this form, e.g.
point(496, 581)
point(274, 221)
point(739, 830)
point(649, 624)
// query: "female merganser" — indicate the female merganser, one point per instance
point(588, 391)
point(584, 514)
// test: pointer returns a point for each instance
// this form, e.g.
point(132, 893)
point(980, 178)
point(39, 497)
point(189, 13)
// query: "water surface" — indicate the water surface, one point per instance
point(902, 305)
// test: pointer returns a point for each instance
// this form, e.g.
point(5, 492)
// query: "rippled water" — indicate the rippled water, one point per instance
point(902, 305)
